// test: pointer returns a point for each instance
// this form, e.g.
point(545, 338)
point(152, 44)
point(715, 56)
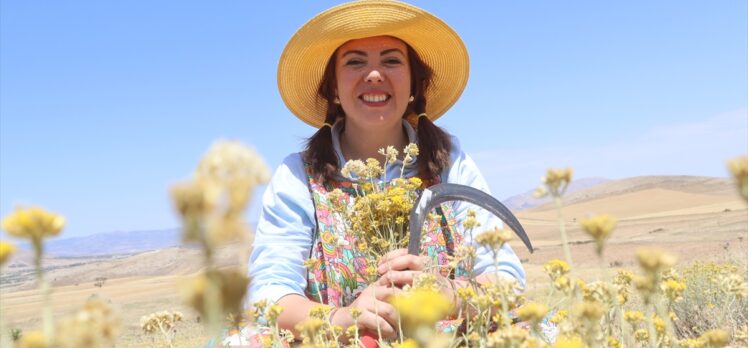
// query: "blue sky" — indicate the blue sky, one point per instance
point(103, 105)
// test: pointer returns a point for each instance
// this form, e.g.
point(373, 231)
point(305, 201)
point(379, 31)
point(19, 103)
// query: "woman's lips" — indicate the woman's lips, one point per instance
point(375, 99)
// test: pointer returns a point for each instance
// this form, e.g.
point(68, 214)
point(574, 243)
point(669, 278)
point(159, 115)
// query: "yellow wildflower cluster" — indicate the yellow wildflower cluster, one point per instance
point(739, 169)
point(95, 325)
point(494, 239)
point(33, 224)
point(218, 293)
point(555, 182)
point(599, 228)
point(6, 249)
point(421, 307)
point(212, 204)
point(160, 321)
point(163, 323)
point(378, 212)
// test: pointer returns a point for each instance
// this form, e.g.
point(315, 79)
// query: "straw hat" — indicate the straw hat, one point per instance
point(303, 61)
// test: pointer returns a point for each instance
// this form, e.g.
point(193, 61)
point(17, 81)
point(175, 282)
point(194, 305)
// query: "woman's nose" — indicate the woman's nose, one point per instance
point(374, 76)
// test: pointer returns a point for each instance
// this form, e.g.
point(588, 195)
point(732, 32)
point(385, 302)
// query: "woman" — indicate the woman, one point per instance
point(368, 75)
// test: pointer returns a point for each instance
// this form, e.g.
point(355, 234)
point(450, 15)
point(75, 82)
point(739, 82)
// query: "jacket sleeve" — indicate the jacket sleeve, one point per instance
point(283, 238)
point(464, 171)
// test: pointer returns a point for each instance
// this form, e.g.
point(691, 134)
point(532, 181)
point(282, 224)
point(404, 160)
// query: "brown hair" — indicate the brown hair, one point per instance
point(434, 143)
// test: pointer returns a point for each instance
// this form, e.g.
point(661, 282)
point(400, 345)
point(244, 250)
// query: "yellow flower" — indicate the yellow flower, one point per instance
point(409, 343)
point(589, 310)
point(641, 335)
point(355, 313)
point(613, 342)
point(556, 180)
point(353, 169)
point(421, 307)
point(532, 312)
point(373, 169)
point(739, 169)
point(231, 287)
point(565, 341)
point(654, 259)
point(560, 316)
point(6, 249)
point(716, 338)
point(494, 239)
point(673, 289)
point(411, 150)
point(633, 317)
point(599, 228)
point(33, 223)
point(471, 221)
point(556, 268)
point(274, 311)
point(32, 339)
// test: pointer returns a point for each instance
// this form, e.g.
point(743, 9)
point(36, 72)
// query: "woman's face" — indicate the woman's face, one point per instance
point(373, 81)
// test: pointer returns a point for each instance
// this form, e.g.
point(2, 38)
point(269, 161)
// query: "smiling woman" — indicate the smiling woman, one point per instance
point(370, 76)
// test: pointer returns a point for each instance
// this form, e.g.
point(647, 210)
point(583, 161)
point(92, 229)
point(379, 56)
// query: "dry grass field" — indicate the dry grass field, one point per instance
point(693, 217)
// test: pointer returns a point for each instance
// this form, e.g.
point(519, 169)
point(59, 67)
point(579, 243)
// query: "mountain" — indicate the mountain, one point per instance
point(111, 243)
point(527, 200)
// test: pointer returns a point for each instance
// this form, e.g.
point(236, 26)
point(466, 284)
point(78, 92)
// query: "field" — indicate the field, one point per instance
point(696, 218)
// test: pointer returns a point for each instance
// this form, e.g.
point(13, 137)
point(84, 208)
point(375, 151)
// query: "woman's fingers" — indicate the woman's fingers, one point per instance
point(404, 262)
point(383, 292)
point(398, 278)
point(372, 322)
point(393, 255)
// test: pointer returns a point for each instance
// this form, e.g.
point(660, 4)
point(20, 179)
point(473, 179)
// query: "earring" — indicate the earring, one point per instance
point(411, 99)
point(336, 100)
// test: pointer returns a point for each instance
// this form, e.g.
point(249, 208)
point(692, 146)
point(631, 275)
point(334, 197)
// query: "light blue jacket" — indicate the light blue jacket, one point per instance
point(283, 239)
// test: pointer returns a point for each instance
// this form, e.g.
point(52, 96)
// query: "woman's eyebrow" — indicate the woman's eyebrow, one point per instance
point(391, 50)
point(361, 53)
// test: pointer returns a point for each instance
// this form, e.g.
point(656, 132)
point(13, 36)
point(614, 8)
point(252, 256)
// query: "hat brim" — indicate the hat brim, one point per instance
point(303, 61)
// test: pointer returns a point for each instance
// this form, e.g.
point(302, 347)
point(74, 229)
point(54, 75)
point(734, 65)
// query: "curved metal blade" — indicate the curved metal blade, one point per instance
point(433, 196)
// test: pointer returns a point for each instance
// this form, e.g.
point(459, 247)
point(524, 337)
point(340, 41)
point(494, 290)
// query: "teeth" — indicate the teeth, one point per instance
point(374, 98)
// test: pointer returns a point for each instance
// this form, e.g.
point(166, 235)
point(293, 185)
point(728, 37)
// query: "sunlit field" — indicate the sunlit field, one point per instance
point(639, 262)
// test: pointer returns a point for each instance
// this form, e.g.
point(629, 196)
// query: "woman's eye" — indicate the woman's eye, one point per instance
point(354, 62)
point(392, 61)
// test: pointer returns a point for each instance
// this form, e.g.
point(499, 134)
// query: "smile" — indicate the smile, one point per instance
point(374, 98)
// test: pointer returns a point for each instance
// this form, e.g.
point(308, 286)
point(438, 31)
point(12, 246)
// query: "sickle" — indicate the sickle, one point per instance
point(431, 197)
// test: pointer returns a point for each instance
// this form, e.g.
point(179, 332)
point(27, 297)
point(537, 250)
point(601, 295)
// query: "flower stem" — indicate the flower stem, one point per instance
point(562, 228)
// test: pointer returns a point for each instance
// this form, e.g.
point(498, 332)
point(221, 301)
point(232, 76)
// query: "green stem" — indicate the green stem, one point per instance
point(562, 227)
point(47, 317)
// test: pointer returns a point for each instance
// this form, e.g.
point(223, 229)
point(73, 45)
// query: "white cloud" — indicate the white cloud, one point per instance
point(693, 148)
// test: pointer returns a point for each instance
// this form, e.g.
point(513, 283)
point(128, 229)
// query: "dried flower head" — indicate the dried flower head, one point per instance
point(716, 338)
point(411, 152)
point(33, 223)
point(533, 312)
point(231, 286)
point(33, 339)
point(421, 307)
point(95, 325)
point(6, 249)
point(556, 268)
point(599, 228)
point(353, 169)
point(654, 260)
point(566, 341)
point(494, 239)
point(557, 180)
point(471, 221)
point(589, 310)
point(739, 169)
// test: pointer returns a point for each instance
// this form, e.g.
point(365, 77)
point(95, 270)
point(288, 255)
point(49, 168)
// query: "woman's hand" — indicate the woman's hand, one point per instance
point(398, 268)
point(375, 312)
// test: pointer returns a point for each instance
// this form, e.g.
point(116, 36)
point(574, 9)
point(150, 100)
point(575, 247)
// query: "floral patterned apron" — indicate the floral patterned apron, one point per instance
point(339, 275)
